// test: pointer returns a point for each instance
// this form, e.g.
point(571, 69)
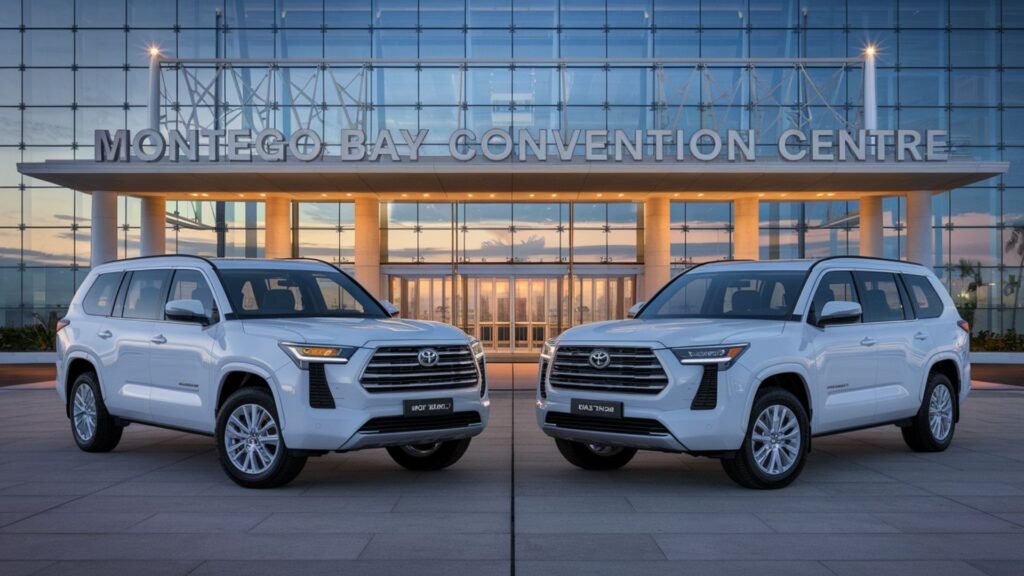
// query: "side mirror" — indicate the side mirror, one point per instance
point(390, 308)
point(186, 311)
point(635, 309)
point(837, 312)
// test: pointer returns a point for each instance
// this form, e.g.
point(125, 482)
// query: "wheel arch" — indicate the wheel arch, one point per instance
point(236, 376)
point(948, 366)
point(78, 363)
point(787, 377)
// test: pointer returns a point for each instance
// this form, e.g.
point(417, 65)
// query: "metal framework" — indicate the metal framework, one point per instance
point(768, 93)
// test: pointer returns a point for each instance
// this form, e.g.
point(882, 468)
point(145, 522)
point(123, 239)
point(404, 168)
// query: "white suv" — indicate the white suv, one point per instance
point(746, 361)
point(278, 359)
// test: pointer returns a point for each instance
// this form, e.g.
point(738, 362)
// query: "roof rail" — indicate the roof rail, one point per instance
point(874, 258)
point(203, 258)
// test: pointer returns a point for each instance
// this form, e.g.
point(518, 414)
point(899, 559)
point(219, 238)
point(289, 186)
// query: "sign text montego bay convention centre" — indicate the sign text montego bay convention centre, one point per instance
point(498, 145)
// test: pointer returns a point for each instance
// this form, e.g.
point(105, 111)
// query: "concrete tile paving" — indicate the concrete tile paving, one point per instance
point(160, 504)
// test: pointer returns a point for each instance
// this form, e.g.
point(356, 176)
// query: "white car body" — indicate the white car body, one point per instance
point(173, 374)
point(852, 375)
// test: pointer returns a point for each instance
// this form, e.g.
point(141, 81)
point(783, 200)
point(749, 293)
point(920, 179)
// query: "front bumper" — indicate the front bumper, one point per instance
point(341, 428)
point(685, 430)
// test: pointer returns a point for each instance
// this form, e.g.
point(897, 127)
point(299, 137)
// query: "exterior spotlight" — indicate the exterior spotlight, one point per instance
point(154, 51)
point(870, 50)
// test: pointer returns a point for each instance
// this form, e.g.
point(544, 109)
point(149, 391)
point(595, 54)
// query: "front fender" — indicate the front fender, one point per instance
point(774, 370)
point(264, 372)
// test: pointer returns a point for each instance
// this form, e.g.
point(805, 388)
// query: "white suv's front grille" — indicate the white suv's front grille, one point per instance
point(397, 368)
point(632, 370)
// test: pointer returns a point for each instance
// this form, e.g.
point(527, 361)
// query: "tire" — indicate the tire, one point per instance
point(246, 426)
point(426, 457)
point(595, 456)
point(92, 427)
point(784, 460)
point(921, 435)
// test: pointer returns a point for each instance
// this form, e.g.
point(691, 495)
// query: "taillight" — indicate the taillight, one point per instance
point(964, 325)
point(62, 324)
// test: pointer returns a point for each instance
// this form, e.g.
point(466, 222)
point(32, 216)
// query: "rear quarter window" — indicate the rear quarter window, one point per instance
point(925, 299)
point(99, 300)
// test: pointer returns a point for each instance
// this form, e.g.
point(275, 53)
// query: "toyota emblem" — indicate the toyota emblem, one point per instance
point(600, 358)
point(427, 357)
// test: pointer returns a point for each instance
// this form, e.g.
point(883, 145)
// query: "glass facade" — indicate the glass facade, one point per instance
point(68, 67)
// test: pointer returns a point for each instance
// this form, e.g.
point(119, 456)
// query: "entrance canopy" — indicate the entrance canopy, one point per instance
point(387, 179)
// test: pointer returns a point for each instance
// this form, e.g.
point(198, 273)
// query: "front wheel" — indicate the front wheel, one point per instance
point(775, 447)
point(931, 430)
point(433, 456)
point(249, 441)
point(595, 456)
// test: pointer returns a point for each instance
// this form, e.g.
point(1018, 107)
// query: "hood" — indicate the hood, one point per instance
point(673, 333)
point(352, 331)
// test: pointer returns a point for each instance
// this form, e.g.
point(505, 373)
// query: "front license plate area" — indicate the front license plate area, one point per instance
point(598, 408)
point(428, 407)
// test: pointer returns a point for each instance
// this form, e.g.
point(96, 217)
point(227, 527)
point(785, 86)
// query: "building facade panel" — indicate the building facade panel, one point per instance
point(68, 67)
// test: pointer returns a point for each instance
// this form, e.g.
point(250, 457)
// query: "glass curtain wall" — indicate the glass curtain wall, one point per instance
point(68, 67)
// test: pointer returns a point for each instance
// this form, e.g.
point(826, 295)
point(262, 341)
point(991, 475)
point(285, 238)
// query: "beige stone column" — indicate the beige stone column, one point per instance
point(278, 233)
point(871, 226)
point(367, 254)
point(104, 228)
point(745, 219)
point(657, 245)
point(919, 228)
point(154, 225)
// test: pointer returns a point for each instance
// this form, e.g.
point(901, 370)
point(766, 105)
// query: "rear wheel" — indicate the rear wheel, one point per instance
point(775, 447)
point(93, 428)
point(931, 430)
point(432, 456)
point(249, 442)
point(591, 456)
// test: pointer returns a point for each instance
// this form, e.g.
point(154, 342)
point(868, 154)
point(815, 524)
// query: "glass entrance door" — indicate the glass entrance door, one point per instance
point(513, 314)
point(602, 298)
point(423, 298)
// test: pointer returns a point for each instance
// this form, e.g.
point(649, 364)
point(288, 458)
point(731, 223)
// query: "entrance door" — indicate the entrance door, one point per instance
point(514, 314)
point(423, 297)
point(536, 312)
point(598, 299)
point(488, 312)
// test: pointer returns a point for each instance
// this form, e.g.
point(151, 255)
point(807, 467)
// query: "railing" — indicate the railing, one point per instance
point(719, 93)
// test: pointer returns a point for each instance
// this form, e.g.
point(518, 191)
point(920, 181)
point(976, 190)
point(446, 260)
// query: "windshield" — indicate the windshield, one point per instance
point(759, 295)
point(297, 294)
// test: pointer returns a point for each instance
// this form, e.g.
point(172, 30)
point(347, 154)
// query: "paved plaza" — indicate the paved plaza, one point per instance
point(160, 504)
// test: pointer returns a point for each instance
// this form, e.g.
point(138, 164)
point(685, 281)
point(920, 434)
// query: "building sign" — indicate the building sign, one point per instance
point(497, 145)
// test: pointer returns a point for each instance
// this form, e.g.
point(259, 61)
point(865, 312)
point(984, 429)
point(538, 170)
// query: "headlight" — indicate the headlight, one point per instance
point(548, 352)
point(477, 349)
point(724, 356)
point(303, 354)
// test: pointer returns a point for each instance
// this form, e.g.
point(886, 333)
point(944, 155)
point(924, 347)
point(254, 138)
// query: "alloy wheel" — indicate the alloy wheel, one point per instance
point(84, 412)
point(252, 439)
point(775, 440)
point(940, 413)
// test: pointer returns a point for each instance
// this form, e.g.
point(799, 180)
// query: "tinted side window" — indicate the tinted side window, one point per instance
point(145, 295)
point(879, 296)
point(923, 296)
point(834, 287)
point(191, 285)
point(99, 300)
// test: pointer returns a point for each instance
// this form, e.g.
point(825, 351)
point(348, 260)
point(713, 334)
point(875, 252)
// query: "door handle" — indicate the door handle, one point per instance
point(867, 342)
point(920, 336)
point(158, 339)
point(104, 334)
